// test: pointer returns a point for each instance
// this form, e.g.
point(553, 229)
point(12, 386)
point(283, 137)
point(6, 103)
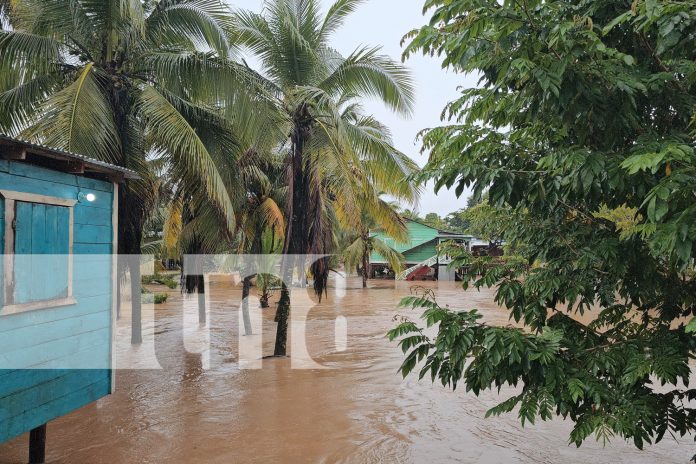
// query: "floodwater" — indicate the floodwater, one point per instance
point(357, 411)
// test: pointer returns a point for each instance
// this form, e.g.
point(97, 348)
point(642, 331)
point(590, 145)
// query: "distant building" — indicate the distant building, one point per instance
point(420, 251)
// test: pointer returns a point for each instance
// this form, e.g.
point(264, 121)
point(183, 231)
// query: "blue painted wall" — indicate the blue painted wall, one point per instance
point(43, 352)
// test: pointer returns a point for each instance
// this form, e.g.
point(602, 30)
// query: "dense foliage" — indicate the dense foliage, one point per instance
point(582, 124)
point(148, 85)
point(488, 222)
point(229, 158)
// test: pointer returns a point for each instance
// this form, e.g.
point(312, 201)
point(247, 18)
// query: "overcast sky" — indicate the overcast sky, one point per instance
point(384, 23)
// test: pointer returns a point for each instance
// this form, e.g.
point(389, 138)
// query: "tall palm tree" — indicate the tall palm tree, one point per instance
point(121, 80)
point(311, 81)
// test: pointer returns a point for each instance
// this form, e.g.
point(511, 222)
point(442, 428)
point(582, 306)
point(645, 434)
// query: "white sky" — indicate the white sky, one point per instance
point(384, 23)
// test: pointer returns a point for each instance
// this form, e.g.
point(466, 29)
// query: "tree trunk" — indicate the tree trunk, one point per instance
point(282, 329)
point(201, 299)
point(131, 214)
point(118, 287)
point(299, 217)
point(136, 303)
point(365, 266)
point(246, 286)
point(195, 284)
point(131, 217)
point(263, 299)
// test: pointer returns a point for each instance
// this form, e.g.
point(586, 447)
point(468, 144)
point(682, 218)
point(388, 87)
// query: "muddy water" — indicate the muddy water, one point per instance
point(359, 411)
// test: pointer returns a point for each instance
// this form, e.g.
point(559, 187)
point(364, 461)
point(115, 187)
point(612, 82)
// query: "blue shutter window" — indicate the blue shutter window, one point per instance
point(42, 245)
point(37, 244)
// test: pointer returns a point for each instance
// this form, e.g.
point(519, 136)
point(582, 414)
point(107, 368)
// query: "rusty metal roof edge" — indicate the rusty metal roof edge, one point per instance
point(94, 163)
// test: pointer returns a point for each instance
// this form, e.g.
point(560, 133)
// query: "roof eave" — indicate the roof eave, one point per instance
point(22, 147)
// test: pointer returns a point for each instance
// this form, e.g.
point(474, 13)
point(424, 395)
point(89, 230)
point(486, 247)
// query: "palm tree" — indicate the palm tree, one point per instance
point(410, 214)
point(261, 219)
point(311, 83)
point(123, 81)
point(377, 213)
point(191, 226)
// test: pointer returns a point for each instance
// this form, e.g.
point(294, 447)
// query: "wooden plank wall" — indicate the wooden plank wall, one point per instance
point(418, 234)
point(54, 342)
point(421, 252)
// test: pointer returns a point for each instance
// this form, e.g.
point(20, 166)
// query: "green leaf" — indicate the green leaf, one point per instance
point(691, 326)
point(616, 21)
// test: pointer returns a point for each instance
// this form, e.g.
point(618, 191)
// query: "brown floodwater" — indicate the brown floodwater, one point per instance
point(359, 410)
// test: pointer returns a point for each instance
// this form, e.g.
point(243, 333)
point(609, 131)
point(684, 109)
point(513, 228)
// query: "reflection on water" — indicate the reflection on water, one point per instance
point(359, 412)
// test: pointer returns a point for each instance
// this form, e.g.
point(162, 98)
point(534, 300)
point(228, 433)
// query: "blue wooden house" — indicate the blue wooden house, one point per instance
point(58, 224)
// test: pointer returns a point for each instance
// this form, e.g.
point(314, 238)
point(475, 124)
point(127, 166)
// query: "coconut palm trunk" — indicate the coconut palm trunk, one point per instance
point(365, 260)
point(132, 213)
point(299, 216)
point(282, 315)
point(200, 291)
point(194, 283)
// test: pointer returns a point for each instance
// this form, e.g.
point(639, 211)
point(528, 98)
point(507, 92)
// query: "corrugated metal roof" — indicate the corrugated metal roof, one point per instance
point(91, 163)
point(440, 231)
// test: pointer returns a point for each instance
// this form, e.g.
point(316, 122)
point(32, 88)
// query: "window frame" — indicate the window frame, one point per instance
point(8, 305)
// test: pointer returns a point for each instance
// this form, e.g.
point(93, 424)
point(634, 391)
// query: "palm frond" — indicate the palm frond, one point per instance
point(151, 248)
point(395, 259)
point(367, 73)
point(196, 22)
point(337, 15)
point(30, 52)
point(19, 104)
point(173, 226)
point(133, 13)
point(271, 215)
point(79, 118)
point(387, 218)
point(388, 167)
point(177, 140)
point(353, 254)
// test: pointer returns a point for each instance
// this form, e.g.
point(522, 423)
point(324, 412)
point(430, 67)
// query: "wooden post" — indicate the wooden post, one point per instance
point(136, 302)
point(201, 299)
point(37, 445)
point(246, 286)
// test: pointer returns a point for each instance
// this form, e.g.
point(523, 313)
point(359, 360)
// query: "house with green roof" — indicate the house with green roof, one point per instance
point(420, 252)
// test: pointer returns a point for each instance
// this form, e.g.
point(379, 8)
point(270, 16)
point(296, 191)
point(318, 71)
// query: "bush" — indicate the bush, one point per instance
point(160, 279)
point(148, 297)
point(169, 282)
